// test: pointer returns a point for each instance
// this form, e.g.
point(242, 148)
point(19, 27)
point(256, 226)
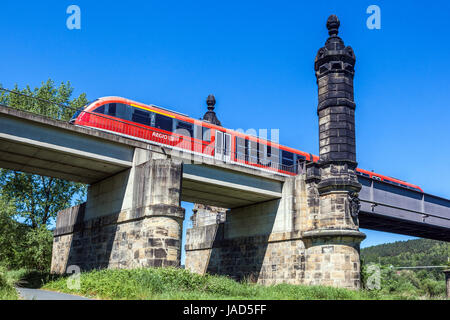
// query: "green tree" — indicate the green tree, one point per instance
point(29, 203)
point(47, 100)
point(37, 199)
point(11, 235)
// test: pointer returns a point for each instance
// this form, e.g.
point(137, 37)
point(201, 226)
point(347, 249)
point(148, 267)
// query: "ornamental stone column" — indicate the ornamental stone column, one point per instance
point(332, 254)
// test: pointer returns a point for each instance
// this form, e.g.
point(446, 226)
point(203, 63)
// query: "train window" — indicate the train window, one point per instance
point(287, 158)
point(142, 117)
point(118, 110)
point(185, 128)
point(124, 111)
point(163, 122)
point(206, 134)
point(251, 150)
point(100, 109)
point(76, 114)
point(274, 156)
point(198, 132)
point(240, 148)
point(260, 154)
point(112, 109)
point(267, 155)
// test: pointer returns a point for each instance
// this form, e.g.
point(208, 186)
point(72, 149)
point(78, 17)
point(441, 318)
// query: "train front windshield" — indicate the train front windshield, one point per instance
point(76, 114)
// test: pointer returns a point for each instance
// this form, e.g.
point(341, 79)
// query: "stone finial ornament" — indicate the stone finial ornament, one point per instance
point(334, 57)
point(333, 24)
point(211, 102)
point(210, 115)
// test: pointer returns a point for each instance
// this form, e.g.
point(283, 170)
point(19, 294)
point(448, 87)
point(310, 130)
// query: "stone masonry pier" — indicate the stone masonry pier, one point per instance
point(130, 220)
point(271, 242)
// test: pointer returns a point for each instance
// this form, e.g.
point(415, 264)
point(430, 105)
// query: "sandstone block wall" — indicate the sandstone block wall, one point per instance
point(333, 263)
point(277, 241)
point(264, 259)
point(261, 243)
point(109, 242)
point(133, 219)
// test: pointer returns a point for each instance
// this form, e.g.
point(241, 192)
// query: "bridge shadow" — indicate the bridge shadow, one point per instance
point(88, 246)
point(89, 237)
point(239, 247)
point(241, 259)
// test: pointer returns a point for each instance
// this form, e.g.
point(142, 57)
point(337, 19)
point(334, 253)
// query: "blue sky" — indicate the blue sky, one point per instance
point(257, 58)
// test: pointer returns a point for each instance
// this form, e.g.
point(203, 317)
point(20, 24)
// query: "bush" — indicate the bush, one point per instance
point(7, 291)
point(38, 253)
point(24, 247)
point(433, 288)
point(3, 282)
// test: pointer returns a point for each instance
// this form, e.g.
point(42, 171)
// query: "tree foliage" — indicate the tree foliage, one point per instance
point(47, 100)
point(28, 202)
point(37, 199)
point(22, 246)
point(411, 253)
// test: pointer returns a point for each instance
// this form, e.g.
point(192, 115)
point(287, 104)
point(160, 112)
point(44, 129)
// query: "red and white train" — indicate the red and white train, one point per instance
point(169, 128)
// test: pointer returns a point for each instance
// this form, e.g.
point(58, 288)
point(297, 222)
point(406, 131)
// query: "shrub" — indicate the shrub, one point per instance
point(24, 247)
point(433, 288)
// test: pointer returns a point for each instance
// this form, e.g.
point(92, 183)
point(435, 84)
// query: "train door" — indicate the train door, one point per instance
point(223, 146)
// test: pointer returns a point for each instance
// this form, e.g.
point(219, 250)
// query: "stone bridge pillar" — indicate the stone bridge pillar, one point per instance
point(133, 219)
point(332, 243)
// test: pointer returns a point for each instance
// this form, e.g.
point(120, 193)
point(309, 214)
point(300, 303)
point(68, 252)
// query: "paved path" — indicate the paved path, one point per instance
point(36, 294)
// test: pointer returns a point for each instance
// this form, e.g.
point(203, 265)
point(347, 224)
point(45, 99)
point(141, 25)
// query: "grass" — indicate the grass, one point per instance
point(180, 284)
point(7, 281)
point(21, 278)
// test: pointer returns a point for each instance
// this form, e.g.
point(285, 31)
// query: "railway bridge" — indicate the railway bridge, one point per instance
point(294, 229)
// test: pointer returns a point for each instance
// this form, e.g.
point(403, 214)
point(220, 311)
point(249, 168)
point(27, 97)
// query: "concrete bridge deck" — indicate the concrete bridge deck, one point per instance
point(36, 144)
